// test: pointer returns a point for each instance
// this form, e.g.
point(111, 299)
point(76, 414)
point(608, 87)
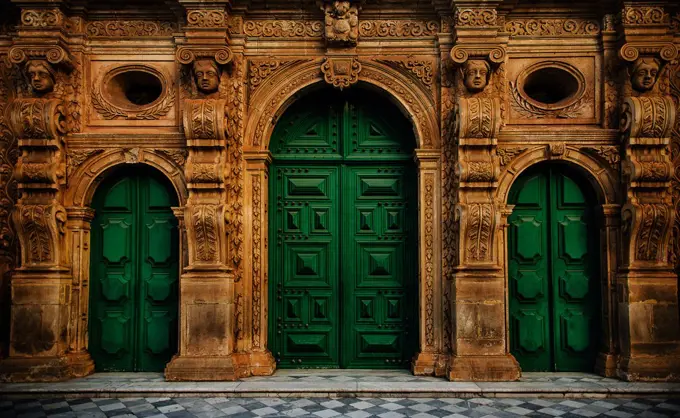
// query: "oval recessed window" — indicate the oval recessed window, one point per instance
point(550, 85)
point(134, 87)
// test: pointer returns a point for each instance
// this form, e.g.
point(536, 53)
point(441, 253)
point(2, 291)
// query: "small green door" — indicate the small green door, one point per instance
point(134, 274)
point(342, 254)
point(553, 270)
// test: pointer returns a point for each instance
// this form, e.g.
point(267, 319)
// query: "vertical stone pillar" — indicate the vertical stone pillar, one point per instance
point(79, 220)
point(41, 285)
point(429, 239)
point(207, 301)
point(605, 364)
point(261, 361)
point(478, 287)
point(647, 284)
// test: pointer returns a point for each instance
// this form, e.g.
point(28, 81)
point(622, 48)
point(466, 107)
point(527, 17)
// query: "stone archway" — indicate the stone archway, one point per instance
point(134, 271)
point(266, 105)
point(84, 178)
point(602, 180)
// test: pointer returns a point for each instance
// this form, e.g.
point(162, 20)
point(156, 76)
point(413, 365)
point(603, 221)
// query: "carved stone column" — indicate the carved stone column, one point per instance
point(605, 363)
point(647, 286)
point(41, 286)
point(429, 216)
point(478, 289)
point(78, 224)
point(207, 302)
point(256, 286)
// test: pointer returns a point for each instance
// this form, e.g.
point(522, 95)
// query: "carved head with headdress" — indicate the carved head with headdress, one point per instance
point(644, 73)
point(207, 75)
point(41, 76)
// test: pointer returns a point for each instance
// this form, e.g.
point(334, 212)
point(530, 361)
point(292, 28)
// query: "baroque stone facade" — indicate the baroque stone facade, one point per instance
point(194, 89)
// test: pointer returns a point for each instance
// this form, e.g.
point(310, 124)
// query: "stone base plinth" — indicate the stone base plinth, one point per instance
point(45, 369)
point(428, 364)
point(657, 368)
point(262, 363)
point(605, 364)
point(203, 368)
point(483, 368)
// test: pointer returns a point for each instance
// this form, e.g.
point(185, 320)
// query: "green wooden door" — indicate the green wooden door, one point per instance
point(134, 274)
point(343, 256)
point(553, 270)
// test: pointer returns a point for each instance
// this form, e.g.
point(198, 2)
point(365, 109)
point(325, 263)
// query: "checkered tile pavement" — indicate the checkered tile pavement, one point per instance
point(340, 407)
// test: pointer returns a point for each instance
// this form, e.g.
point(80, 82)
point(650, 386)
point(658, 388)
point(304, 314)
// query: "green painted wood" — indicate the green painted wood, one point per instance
point(553, 273)
point(134, 274)
point(342, 267)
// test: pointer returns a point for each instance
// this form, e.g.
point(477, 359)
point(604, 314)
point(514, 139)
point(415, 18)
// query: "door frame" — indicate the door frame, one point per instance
point(549, 171)
point(112, 176)
point(603, 182)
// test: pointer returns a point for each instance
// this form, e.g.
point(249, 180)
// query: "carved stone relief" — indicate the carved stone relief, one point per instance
point(341, 21)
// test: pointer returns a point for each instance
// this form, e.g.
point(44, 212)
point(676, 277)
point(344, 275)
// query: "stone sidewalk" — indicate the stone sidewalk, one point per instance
point(341, 383)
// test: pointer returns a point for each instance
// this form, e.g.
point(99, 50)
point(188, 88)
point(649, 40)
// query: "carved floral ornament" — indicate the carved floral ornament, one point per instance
point(647, 117)
point(552, 27)
point(108, 97)
point(207, 18)
point(644, 15)
point(476, 17)
point(42, 17)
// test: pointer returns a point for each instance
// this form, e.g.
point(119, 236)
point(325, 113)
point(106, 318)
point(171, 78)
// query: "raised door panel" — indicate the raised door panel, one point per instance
point(112, 277)
point(306, 133)
point(159, 273)
point(304, 266)
point(528, 258)
point(378, 272)
point(574, 272)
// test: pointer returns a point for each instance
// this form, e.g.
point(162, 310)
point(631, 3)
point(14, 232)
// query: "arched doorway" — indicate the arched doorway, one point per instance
point(134, 272)
point(343, 234)
point(553, 271)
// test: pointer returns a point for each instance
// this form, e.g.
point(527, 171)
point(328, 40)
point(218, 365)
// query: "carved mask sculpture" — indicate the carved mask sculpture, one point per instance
point(41, 76)
point(207, 75)
point(645, 72)
point(476, 75)
point(342, 22)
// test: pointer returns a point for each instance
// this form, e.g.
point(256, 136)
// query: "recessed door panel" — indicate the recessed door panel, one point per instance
point(134, 273)
point(553, 273)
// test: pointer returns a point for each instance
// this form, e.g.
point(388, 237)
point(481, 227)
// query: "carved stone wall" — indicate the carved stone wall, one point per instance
point(196, 91)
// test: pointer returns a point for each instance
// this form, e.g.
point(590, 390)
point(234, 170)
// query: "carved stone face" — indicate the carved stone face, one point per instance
point(207, 76)
point(476, 74)
point(341, 8)
point(40, 77)
point(645, 72)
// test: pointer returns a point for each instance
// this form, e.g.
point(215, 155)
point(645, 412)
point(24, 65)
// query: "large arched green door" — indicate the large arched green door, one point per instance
point(133, 273)
point(553, 271)
point(343, 219)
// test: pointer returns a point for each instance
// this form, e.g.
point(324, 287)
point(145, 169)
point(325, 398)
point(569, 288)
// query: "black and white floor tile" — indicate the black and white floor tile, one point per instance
point(339, 407)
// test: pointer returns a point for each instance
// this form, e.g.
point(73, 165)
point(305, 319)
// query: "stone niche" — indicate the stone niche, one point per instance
point(553, 90)
point(128, 95)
